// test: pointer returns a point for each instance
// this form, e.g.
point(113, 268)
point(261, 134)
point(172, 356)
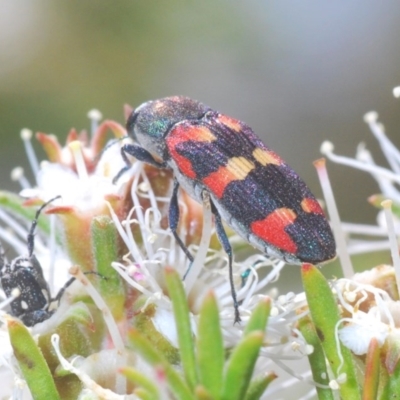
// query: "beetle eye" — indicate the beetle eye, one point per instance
point(131, 121)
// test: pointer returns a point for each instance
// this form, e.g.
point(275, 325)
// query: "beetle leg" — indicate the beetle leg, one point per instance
point(223, 239)
point(60, 293)
point(244, 276)
point(140, 154)
point(174, 219)
point(68, 284)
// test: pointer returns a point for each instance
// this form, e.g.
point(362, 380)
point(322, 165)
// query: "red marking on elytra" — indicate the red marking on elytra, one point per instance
point(236, 168)
point(181, 134)
point(219, 180)
point(184, 164)
point(271, 229)
point(311, 205)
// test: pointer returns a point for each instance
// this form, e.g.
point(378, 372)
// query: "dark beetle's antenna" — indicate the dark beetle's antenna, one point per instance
point(31, 233)
point(110, 144)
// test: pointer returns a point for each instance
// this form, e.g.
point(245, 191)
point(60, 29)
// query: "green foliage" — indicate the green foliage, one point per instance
point(31, 361)
point(325, 316)
point(206, 374)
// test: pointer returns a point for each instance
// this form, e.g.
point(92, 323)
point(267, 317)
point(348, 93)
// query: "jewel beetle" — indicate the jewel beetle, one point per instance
point(25, 274)
point(251, 188)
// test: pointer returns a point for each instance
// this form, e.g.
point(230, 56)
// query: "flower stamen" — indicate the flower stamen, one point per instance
point(26, 136)
point(394, 248)
point(95, 117)
point(18, 175)
point(76, 149)
point(327, 149)
point(345, 261)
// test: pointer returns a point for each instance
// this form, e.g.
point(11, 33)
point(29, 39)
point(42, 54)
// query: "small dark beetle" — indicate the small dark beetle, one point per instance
point(24, 274)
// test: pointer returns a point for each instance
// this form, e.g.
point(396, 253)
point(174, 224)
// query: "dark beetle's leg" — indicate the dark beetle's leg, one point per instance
point(69, 283)
point(174, 220)
point(223, 238)
point(60, 293)
point(140, 154)
point(244, 276)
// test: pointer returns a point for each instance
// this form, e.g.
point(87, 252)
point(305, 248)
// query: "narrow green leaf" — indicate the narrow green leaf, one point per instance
point(392, 353)
point(105, 244)
point(239, 368)
point(391, 390)
point(156, 359)
point(325, 315)
point(316, 358)
point(77, 336)
point(185, 337)
point(202, 394)
point(391, 366)
point(105, 250)
point(144, 394)
point(140, 380)
point(372, 367)
point(210, 347)
point(259, 317)
point(259, 385)
point(31, 361)
point(144, 323)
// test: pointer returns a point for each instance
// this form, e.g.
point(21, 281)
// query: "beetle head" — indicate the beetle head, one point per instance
point(151, 122)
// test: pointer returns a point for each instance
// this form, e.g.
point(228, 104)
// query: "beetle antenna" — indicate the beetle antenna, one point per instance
point(109, 144)
point(31, 234)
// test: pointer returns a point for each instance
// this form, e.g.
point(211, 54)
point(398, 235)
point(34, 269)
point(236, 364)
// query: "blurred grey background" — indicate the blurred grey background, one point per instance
point(298, 72)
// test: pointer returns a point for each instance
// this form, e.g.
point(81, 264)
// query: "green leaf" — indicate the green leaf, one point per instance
point(240, 366)
point(218, 380)
point(210, 347)
point(142, 381)
point(259, 317)
point(105, 250)
point(316, 358)
point(157, 360)
point(31, 361)
point(390, 371)
point(259, 385)
point(392, 353)
point(202, 394)
point(144, 323)
point(391, 390)
point(372, 367)
point(144, 395)
point(325, 315)
point(81, 330)
point(184, 330)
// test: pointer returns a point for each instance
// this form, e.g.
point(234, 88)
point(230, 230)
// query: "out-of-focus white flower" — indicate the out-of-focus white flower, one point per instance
point(387, 179)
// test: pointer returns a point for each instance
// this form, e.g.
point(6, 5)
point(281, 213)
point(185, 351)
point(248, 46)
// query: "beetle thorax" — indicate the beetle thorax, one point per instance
point(152, 121)
point(20, 262)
